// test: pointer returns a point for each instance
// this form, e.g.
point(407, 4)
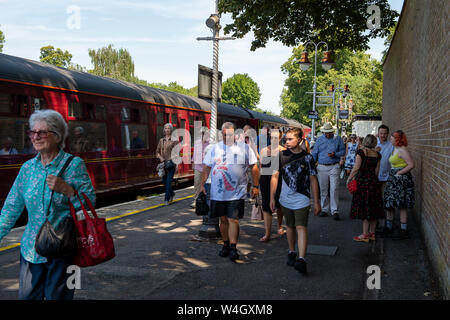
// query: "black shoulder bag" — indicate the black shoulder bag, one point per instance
point(60, 243)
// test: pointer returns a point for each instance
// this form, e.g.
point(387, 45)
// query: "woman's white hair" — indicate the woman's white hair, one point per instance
point(55, 122)
point(168, 125)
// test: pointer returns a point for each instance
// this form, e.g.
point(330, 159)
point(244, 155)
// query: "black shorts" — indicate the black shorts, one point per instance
point(233, 209)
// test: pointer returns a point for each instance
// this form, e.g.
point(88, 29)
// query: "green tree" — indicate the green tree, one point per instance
point(2, 40)
point(241, 90)
point(342, 24)
point(56, 56)
point(109, 62)
point(363, 75)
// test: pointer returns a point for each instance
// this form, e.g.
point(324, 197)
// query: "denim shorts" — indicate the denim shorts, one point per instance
point(233, 209)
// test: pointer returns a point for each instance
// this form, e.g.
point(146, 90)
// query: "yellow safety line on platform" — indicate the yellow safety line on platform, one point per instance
point(145, 209)
point(15, 245)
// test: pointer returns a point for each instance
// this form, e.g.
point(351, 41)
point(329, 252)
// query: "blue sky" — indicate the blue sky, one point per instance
point(160, 35)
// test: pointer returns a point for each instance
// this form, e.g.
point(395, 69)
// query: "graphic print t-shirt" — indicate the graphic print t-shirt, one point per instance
point(295, 170)
point(229, 166)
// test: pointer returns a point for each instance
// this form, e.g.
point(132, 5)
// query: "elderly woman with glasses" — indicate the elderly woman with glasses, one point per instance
point(42, 277)
point(164, 154)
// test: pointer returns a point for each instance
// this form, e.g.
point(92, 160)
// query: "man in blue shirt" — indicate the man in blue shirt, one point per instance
point(386, 149)
point(327, 151)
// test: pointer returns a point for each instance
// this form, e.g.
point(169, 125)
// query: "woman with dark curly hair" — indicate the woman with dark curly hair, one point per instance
point(399, 191)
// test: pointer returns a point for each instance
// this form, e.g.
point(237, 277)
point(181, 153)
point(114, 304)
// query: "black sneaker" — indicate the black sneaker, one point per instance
point(291, 258)
point(233, 254)
point(385, 233)
point(401, 235)
point(323, 214)
point(336, 217)
point(300, 265)
point(225, 252)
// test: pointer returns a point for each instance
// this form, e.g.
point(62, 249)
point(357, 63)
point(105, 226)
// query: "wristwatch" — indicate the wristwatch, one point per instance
point(255, 186)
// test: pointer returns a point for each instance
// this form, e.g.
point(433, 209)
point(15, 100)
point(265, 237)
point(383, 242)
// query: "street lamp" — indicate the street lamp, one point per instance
point(210, 226)
point(305, 64)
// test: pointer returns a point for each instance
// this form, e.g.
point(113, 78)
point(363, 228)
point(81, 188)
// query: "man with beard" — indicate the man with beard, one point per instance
point(298, 173)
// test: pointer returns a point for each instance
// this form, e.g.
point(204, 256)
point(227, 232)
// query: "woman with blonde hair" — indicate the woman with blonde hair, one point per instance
point(367, 203)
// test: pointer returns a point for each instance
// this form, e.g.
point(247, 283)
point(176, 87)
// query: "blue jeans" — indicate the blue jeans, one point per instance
point(49, 280)
point(167, 181)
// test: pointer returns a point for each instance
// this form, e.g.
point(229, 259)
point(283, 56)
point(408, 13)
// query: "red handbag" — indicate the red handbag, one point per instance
point(94, 242)
point(352, 186)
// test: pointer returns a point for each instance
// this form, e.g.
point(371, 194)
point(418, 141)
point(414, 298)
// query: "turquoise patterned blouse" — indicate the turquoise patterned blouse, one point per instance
point(30, 190)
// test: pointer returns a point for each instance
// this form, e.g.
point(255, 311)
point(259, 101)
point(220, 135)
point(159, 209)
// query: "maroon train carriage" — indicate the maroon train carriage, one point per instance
point(103, 115)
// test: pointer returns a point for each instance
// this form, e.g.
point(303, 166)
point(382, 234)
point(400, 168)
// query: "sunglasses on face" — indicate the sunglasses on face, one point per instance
point(40, 133)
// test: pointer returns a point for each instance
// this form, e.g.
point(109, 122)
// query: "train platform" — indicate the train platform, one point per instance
point(159, 256)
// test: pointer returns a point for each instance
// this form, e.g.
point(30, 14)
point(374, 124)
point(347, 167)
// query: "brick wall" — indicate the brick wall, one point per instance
point(416, 100)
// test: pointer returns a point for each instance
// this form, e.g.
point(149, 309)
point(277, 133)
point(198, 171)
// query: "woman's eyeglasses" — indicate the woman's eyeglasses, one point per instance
point(40, 134)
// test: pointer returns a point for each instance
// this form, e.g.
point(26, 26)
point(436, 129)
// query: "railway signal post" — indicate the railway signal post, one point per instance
point(210, 226)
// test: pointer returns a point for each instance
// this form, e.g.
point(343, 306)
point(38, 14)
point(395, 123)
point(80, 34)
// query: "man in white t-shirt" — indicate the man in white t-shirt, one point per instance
point(228, 161)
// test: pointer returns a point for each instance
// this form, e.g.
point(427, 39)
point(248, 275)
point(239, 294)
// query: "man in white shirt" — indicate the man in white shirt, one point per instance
point(386, 148)
point(228, 161)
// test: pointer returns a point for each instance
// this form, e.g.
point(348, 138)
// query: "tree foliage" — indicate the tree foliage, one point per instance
point(56, 56)
point(363, 74)
point(2, 40)
point(241, 90)
point(109, 62)
point(340, 23)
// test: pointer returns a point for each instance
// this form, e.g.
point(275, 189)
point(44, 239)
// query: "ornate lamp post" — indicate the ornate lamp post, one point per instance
point(326, 63)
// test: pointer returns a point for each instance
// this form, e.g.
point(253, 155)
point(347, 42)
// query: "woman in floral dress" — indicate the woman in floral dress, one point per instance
point(367, 202)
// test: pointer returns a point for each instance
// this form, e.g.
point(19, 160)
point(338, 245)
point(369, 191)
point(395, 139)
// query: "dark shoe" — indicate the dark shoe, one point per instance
point(323, 214)
point(233, 254)
point(401, 235)
point(300, 265)
point(385, 233)
point(225, 252)
point(291, 258)
point(336, 217)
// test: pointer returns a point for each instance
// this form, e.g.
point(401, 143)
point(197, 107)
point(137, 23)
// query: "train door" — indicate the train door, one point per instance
point(184, 166)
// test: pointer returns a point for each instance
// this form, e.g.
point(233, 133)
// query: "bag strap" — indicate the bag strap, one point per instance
point(89, 203)
point(68, 161)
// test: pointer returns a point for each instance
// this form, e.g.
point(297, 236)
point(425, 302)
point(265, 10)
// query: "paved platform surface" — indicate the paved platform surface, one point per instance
point(159, 256)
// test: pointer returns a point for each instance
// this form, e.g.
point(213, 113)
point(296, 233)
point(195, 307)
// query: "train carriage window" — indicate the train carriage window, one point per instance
point(75, 110)
point(100, 112)
point(38, 104)
point(134, 136)
point(87, 136)
point(191, 129)
point(174, 120)
point(13, 138)
point(162, 119)
point(144, 116)
point(5, 103)
point(125, 114)
point(23, 102)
